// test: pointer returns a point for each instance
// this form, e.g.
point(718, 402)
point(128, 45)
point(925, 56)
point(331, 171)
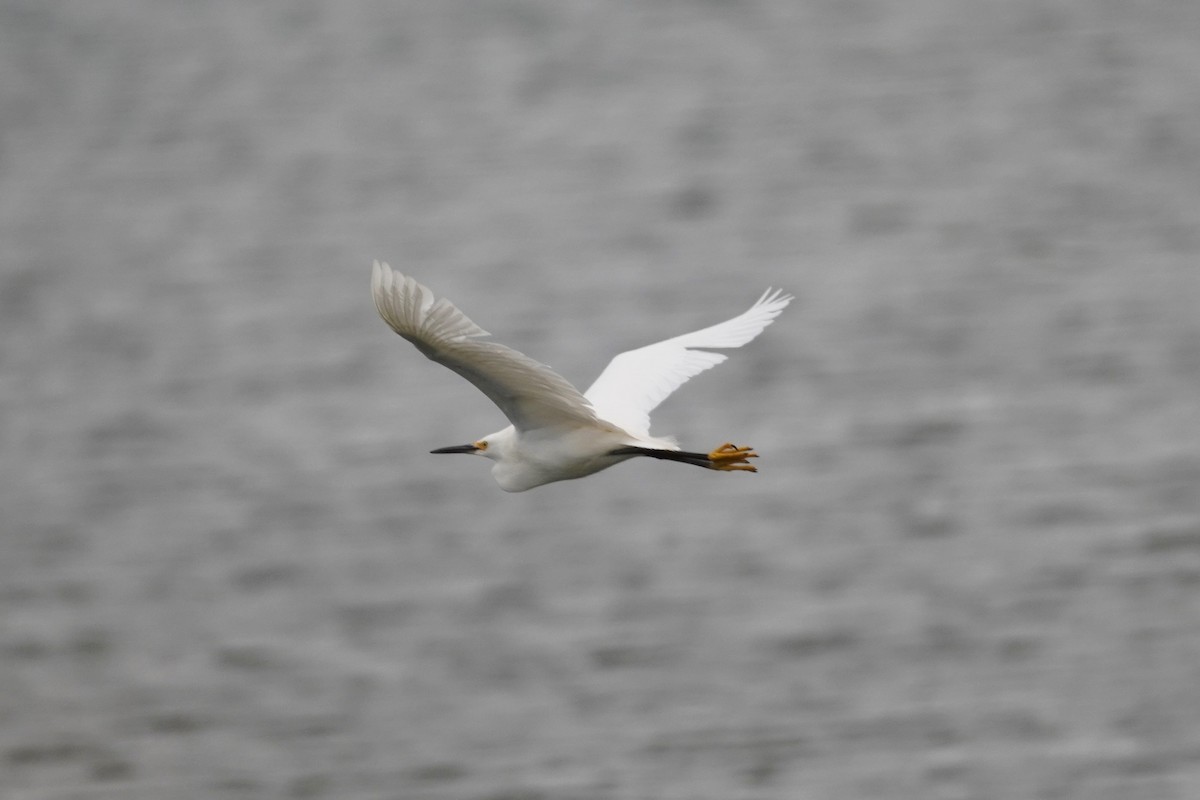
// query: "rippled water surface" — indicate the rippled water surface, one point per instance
point(968, 568)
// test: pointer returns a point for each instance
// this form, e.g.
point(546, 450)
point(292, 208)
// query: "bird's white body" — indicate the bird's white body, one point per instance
point(557, 433)
point(544, 455)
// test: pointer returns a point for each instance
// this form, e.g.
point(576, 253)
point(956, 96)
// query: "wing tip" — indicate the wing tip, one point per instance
point(412, 310)
point(393, 293)
point(377, 278)
point(774, 297)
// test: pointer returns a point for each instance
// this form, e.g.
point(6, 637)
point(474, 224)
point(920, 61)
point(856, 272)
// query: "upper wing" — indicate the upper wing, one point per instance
point(636, 381)
point(530, 394)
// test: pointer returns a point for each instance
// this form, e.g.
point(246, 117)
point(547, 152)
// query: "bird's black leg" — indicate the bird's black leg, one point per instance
point(726, 457)
point(698, 459)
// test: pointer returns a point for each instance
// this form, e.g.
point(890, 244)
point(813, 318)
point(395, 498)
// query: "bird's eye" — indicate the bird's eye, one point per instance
point(481, 444)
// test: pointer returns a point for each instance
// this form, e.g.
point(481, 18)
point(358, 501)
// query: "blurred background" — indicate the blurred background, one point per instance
point(968, 568)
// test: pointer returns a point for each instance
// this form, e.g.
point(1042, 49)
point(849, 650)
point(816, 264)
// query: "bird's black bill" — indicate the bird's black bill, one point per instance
point(458, 448)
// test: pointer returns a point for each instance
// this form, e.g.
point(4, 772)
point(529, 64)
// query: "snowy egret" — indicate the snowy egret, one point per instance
point(556, 432)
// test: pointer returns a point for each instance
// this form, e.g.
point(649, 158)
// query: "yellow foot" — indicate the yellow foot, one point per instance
point(730, 457)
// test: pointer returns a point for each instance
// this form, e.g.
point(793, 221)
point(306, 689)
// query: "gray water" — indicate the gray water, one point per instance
point(968, 568)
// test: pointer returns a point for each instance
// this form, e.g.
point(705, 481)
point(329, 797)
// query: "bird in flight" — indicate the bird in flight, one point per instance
point(557, 433)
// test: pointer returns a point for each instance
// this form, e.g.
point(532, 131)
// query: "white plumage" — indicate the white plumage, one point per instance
point(556, 432)
point(636, 381)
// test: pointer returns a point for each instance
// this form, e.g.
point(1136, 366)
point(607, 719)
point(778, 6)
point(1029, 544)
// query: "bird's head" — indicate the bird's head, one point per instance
point(492, 447)
point(479, 448)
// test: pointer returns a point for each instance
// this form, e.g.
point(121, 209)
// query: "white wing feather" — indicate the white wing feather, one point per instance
point(636, 381)
point(530, 394)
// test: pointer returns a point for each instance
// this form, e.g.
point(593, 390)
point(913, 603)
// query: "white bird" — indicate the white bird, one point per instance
point(556, 432)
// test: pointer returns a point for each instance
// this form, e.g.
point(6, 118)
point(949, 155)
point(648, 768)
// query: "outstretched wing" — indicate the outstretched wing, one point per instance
point(530, 394)
point(636, 381)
